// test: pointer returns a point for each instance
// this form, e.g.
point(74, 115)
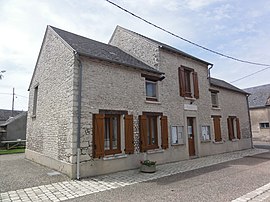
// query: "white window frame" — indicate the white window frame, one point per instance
point(156, 85)
point(216, 104)
point(203, 135)
point(179, 136)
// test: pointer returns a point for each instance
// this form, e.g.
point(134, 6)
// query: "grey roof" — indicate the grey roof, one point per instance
point(224, 84)
point(260, 96)
point(170, 48)
point(11, 119)
point(5, 114)
point(94, 49)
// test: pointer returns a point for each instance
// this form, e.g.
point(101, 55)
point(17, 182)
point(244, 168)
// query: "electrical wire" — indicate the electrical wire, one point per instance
point(188, 41)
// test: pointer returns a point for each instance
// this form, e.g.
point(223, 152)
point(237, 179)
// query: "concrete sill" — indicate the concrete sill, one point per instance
point(205, 141)
point(178, 144)
point(33, 116)
point(235, 140)
point(190, 98)
point(115, 156)
point(216, 108)
point(154, 151)
point(219, 142)
point(152, 102)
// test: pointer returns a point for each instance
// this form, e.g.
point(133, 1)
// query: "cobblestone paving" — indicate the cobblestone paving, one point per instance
point(71, 189)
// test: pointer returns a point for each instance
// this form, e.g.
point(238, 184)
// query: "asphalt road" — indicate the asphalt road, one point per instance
point(222, 182)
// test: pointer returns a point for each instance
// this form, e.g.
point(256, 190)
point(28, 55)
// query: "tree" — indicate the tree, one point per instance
point(1, 74)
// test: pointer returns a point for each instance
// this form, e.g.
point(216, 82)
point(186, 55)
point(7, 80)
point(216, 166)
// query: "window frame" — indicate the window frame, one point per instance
point(155, 83)
point(217, 131)
point(209, 135)
point(180, 141)
point(110, 118)
point(34, 112)
point(264, 125)
point(153, 117)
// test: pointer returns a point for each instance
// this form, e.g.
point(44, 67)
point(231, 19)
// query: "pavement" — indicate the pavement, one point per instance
point(65, 189)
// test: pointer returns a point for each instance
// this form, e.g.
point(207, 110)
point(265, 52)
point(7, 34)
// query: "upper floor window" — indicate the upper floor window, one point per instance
point(264, 125)
point(234, 127)
point(188, 82)
point(214, 98)
point(151, 90)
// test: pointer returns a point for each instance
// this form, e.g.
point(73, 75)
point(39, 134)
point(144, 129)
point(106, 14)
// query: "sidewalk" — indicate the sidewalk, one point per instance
point(72, 189)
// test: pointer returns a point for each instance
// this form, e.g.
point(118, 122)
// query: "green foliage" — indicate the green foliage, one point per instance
point(12, 151)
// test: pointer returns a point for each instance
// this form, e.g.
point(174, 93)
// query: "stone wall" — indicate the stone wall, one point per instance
point(51, 133)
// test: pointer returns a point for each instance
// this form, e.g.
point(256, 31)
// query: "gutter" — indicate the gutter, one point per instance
point(208, 73)
point(79, 116)
point(250, 130)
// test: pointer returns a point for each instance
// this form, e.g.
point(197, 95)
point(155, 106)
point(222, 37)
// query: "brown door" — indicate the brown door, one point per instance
point(191, 141)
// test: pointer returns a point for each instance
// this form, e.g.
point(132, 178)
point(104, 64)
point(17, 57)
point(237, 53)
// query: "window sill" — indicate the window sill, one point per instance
point(216, 108)
point(115, 156)
point(33, 116)
point(190, 98)
point(178, 144)
point(154, 151)
point(219, 142)
point(235, 140)
point(152, 102)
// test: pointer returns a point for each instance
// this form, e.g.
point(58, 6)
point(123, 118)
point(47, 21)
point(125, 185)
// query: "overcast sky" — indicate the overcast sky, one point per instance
point(239, 28)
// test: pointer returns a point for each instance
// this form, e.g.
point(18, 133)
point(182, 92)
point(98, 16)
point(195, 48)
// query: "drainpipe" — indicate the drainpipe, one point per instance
point(79, 115)
point(208, 76)
point(249, 121)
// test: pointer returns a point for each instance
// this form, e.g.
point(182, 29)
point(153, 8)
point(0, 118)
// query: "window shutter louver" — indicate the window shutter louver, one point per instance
point(181, 77)
point(98, 135)
point(129, 134)
point(143, 132)
point(230, 128)
point(164, 132)
point(196, 85)
point(217, 129)
point(238, 128)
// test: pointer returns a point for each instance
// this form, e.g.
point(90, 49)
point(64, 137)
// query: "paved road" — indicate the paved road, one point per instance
point(222, 182)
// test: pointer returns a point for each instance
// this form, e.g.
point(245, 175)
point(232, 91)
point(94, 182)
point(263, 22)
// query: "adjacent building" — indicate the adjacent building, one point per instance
point(97, 108)
point(259, 107)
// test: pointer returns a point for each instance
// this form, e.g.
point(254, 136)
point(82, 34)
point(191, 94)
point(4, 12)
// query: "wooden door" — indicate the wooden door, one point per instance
point(191, 139)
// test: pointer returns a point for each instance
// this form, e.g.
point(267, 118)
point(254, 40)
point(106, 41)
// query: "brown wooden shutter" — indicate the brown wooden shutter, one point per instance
point(164, 132)
point(129, 134)
point(230, 128)
point(217, 129)
point(196, 85)
point(143, 132)
point(98, 135)
point(181, 77)
point(238, 128)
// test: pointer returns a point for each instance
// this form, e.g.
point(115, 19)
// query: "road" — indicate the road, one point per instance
point(222, 182)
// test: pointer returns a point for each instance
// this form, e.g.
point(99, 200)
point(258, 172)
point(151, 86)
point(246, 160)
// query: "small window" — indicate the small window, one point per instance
point(205, 133)
point(264, 125)
point(35, 101)
point(177, 135)
point(214, 99)
point(151, 90)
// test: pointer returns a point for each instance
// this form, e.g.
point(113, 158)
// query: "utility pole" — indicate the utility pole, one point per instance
point(13, 94)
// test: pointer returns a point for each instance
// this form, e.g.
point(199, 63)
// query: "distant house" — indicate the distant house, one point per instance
point(14, 127)
point(97, 108)
point(259, 106)
point(5, 114)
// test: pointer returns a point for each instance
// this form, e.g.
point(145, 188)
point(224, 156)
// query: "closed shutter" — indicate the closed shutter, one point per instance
point(217, 129)
point(98, 135)
point(181, 77)
point(143, 132)
point(238, 128)
point(129, 135)
point(230, 128)
point(164, 132)
point(196, 85)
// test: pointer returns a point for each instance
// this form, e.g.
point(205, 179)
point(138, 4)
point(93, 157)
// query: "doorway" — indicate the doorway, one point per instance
point(191, 139)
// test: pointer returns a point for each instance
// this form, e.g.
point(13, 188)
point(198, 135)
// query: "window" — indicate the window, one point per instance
point(112, 134)
point(107, 133)
point(188, 82)
point(150, 125)
point(214, 99)
point(264, 125)
point(177, 136)
point(217, 129)
point(151, 90)
point(205, 134)
point(35, 101)
point(233, 127)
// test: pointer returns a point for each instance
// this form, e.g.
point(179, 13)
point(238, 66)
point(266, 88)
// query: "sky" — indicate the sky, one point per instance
point(239, 28)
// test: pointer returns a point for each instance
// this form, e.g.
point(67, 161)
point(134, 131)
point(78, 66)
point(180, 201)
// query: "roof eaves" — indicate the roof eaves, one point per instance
point(120, 63)
point(239, 91)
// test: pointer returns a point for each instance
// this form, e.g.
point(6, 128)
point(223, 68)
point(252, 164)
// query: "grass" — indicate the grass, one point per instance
point(12, 151)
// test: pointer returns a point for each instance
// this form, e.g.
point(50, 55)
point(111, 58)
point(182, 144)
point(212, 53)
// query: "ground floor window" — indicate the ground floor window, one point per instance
point(264, 125)
point(234, 130)
point(177, 135)
point(205, 133)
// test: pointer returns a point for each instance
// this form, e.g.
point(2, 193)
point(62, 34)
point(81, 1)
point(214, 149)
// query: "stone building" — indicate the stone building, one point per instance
point(97, 108)
point(259, 107)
